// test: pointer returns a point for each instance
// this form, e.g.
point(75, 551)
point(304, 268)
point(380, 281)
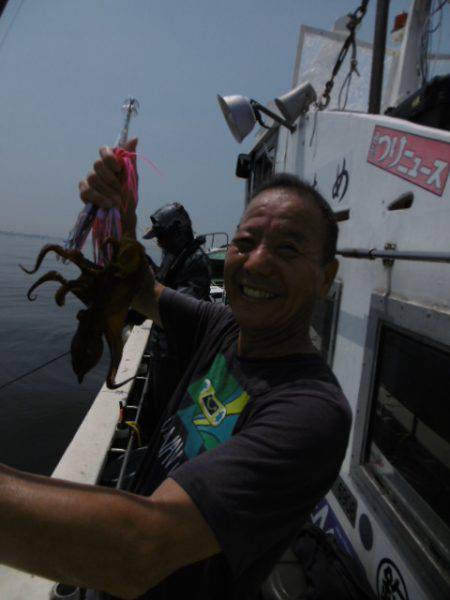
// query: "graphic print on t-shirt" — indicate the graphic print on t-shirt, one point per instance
point(210, 411)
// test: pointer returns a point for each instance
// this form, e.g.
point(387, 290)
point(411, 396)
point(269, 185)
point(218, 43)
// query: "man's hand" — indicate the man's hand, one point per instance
point(104, 187)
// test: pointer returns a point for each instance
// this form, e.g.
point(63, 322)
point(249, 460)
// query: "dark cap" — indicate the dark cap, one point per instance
point(171, 218)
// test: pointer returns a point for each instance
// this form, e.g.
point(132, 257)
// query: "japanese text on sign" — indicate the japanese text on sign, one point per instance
point(423, 161)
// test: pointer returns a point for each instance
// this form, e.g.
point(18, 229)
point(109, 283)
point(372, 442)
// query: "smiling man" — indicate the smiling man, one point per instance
point(280, 262)
point(251, 440)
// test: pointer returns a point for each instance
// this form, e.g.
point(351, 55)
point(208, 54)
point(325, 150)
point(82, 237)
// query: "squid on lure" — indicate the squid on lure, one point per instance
point(107, 223)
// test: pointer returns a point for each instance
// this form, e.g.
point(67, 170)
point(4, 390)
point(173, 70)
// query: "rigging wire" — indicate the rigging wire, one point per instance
point(2, 41)
point(439, 28)
point(49, 362)
point(426, 40)
point(354, 19)
point(345, 87)
point(439, 7)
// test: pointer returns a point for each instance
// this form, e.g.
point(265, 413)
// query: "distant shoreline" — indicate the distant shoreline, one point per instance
point(30, 235)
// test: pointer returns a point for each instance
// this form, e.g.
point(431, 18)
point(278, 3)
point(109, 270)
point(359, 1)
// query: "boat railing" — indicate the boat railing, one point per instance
point(392, 254)
point(210, 240)
point(84, 458)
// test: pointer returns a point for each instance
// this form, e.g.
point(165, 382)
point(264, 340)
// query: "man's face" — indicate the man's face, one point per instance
point(172, 242)
point(273, 269)
point(169, 242)
point(163, 241)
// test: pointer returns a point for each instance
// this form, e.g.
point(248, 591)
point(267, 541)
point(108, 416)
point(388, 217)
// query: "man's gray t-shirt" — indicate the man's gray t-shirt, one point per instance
point(256, 443)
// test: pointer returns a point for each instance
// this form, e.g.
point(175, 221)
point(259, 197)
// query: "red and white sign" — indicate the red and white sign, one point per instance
point(418, 159)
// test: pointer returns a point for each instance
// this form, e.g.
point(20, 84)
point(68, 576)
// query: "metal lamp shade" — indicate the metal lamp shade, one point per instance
point(296, 101)
point(239, 115)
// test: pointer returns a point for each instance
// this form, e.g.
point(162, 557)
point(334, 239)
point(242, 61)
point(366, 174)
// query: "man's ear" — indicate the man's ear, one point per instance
point(329, 271)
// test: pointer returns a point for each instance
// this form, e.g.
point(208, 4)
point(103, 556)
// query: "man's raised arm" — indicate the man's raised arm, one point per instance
point(94, 537)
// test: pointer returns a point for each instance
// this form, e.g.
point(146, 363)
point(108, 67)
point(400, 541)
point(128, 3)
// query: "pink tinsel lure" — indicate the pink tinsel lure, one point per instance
point(107, 223)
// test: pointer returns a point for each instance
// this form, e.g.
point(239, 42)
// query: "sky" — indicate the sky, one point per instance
point(67, 65)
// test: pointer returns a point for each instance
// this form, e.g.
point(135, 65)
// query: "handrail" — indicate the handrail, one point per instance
point(131, 442)
point(373, 253)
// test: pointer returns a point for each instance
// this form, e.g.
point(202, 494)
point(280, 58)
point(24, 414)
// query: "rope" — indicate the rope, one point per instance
point(345, 87)
point(49, 362)
point(355, 19)
point(134, 427)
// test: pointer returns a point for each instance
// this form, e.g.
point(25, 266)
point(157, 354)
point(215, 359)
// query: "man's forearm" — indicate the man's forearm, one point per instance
point(146, 302)
point(81, 535)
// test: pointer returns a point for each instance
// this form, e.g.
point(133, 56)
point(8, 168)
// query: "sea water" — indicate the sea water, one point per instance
point(39, 414)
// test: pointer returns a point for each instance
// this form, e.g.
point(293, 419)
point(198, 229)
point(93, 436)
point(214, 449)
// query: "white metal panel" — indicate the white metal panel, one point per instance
point(317, 52)
point(316, 152)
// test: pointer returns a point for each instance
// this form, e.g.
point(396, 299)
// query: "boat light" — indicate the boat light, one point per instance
point(297, 101)
point(241, 114)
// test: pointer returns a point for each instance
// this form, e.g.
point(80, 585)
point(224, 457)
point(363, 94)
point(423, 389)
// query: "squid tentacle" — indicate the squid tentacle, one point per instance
point(115, 386)
point(40, 257)
point(115, 247)
point(50, 276)
point(74, 256)
point(113, 335)
point(107, 292)
point(87, 344)
point(74, 287)
point(115, 343)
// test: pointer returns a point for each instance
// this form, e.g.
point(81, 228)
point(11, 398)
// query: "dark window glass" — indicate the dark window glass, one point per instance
point(410, 426)
point(323, 324)
point(263, 163)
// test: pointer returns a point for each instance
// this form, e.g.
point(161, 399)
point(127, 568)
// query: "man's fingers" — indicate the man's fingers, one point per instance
point(110, 160)
point(101, 187)
point(108, 176)
point(88, 194)
point(83, 188)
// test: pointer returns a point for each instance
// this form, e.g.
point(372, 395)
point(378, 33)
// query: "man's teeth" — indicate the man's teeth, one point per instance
point(254, 293)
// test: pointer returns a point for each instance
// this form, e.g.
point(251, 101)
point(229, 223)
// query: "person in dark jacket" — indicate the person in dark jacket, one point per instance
point(185, 268)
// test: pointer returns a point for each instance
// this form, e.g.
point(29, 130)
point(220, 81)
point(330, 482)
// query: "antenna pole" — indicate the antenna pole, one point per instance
point(379, 51)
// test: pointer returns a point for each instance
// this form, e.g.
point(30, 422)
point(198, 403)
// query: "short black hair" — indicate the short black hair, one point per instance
point(304, 189)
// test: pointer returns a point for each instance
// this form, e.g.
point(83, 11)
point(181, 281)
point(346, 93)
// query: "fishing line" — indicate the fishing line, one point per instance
point(49, 362)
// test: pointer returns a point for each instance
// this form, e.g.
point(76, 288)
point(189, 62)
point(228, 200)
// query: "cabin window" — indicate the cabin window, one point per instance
point(401, 442)
point(408, 447)
point(263, 162)
point(324, 322)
